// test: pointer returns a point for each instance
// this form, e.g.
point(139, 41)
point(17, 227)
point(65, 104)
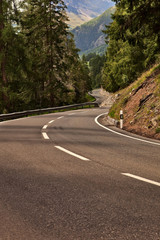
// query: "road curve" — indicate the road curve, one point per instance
point(62, 176)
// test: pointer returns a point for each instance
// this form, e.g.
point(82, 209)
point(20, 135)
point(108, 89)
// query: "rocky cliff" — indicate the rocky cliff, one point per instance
point(141, 104)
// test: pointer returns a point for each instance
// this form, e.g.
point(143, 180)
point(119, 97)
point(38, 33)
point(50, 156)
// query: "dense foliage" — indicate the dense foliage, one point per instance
point(134, 41)
point(96, 63)
point(101, 50)
point(39, 63)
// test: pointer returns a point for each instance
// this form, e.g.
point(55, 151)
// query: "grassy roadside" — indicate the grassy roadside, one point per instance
point(89, 98)
point(30, 113)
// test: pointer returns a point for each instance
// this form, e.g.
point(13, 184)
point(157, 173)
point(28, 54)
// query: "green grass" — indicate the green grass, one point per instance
point(125, 93)
point(56, 111)
point(158, 130)
point(89, 98)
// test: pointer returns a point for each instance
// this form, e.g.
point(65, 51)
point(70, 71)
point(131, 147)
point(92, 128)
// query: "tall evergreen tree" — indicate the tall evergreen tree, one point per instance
point(51, 52)
point(3, 75)
point(133, 39)
point(39, 63)
point(44, 26)
point(10, 54)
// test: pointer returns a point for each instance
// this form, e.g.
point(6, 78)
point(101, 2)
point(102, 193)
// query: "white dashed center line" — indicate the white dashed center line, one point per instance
point(141, 179)
point(72, 154)
point(51, 121)
point(45, 126)
point(45, 135)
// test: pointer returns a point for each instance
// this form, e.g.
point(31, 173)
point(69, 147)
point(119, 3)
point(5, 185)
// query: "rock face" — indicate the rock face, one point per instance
point(81, 11)
point(142, 110)
point(140, 103)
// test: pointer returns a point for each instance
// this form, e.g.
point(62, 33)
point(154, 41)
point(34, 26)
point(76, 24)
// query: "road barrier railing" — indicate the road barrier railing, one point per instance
point(15, 115)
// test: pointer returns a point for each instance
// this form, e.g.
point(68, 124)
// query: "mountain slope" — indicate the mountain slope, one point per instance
point(81, 11)
point(89, 35)
point(141, 104)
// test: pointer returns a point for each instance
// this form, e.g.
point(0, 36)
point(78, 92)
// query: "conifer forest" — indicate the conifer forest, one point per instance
point(39, 62)
point(133, 40)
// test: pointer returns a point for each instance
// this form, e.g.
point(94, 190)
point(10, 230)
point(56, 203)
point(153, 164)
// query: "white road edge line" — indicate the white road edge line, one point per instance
point(45, 135)
point(71, 153)
point(141, 179)
point(45, 126)
point(121, 134)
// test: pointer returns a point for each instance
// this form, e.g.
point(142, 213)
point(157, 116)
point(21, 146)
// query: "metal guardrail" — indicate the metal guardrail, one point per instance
point(15, 115)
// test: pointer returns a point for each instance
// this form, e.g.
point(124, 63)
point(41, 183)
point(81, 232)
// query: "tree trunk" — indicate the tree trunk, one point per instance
point(3, 60)
point(2, 47)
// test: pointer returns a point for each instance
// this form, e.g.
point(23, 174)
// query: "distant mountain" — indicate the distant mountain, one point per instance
point(81, 11)
point(89, 36)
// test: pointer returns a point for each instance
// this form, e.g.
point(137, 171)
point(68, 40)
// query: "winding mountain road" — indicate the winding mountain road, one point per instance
point(63, 176)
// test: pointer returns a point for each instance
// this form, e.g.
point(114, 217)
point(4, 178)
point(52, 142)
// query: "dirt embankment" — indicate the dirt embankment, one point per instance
point(141, 105)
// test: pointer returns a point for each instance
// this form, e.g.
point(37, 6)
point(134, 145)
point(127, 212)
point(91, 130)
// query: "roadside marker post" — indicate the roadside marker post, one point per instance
point(121, 119)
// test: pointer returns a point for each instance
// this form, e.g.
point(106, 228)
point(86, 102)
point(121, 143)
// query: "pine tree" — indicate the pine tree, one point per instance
point(54, 61)
point(2, 54)
point(133, 39)
point(45, 29)
point(39, 63)
point(10, 54)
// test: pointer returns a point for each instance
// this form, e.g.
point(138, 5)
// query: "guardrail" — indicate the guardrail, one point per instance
point(15, 115)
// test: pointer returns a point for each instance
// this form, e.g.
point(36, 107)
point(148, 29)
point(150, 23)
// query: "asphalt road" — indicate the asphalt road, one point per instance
point(62, 177)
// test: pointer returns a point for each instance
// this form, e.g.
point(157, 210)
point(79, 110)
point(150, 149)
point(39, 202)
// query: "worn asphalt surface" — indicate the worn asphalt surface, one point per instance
point(49, 194)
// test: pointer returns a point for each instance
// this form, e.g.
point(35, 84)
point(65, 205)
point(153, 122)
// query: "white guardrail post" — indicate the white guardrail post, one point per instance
point(121, 119)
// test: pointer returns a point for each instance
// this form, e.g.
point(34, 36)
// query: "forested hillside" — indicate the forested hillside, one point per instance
point(132, 65)
point(39, 63)
point(133, 41)
point(89, 35)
